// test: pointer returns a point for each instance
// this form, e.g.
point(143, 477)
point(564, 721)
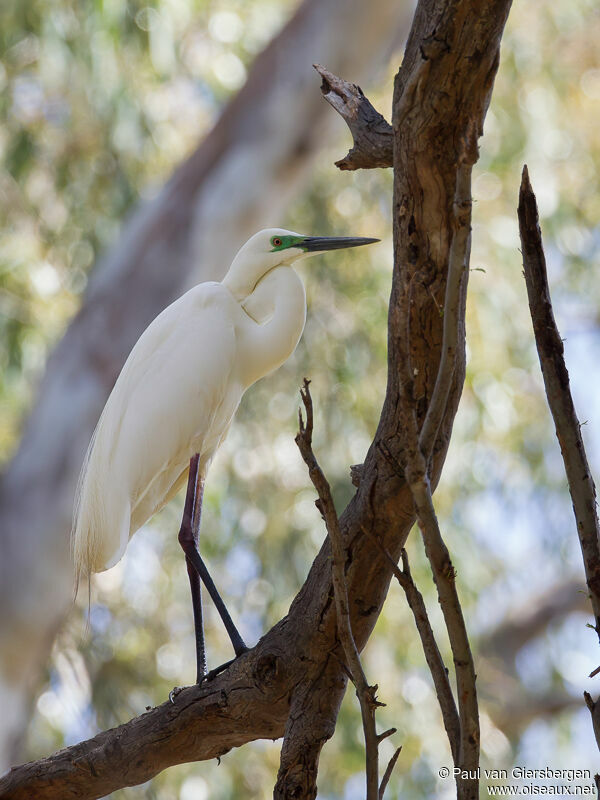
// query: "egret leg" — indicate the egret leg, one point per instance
point(190, 526)
point(201, 666)
point(188, 539)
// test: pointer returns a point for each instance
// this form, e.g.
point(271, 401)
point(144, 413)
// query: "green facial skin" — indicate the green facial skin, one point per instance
point(286, 241)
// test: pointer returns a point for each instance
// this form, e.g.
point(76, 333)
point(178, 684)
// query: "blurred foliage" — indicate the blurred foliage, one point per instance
point(99, 101)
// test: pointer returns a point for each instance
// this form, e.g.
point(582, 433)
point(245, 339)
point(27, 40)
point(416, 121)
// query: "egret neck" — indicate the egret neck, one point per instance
point(272, 321)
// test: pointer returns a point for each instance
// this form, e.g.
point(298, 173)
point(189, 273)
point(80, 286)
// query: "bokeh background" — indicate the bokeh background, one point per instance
point(100, 101)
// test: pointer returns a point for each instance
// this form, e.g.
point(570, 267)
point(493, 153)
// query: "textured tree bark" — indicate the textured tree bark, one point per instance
point(373, 136)
point(167, 245)
point(293, 682)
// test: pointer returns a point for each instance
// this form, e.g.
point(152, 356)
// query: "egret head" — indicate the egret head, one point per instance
point(276, 247)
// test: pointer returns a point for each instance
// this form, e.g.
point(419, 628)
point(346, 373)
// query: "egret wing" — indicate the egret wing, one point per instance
point(175, 396)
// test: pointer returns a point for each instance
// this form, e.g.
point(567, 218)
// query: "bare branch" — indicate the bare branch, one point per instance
point(436, 665)
point(388, 773)
point(366, 694)
point(556, 380)
point(444, 576)
point(594, 708)
point(415, 461)
point(372, 135)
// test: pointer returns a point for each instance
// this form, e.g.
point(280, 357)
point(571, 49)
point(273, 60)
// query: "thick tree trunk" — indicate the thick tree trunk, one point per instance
point(254, 161)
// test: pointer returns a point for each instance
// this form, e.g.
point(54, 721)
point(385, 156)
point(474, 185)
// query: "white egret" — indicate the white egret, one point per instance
point(173, 403)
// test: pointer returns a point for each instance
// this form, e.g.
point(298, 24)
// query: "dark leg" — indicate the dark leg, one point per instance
point(188, 539)
point(201, 668)
point(190, 523)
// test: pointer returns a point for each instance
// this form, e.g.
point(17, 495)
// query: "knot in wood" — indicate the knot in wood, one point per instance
point(266, 669)
point(433, 47)
point(356, 474)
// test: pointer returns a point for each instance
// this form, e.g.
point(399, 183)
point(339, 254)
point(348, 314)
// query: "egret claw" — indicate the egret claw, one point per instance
point(174, 692)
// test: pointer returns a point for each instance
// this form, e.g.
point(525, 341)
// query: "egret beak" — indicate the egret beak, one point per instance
point(319, 244)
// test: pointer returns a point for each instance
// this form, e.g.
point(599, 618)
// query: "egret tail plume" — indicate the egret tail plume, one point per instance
point(96, 537)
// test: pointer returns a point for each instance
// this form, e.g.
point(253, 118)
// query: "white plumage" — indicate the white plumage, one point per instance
point(181, 385)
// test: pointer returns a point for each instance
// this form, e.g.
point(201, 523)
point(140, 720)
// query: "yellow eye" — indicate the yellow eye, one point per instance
point(276, 241)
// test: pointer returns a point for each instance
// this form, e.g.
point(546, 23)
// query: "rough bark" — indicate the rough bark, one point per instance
point(167, 245)
point(373, 136)
point(292, 682)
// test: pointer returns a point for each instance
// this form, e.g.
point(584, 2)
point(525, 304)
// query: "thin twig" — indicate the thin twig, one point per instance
point(366, 694)
point(388, 773)
point(438, 670)
point(444, 576)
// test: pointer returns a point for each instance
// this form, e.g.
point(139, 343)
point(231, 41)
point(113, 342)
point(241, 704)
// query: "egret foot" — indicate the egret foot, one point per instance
point(210, 676)
point(174, 692)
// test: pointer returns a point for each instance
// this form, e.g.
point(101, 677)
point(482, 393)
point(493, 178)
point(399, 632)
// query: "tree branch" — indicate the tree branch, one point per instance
point(388, 772)
point(366, 694)
point(556, 382)
point(445, 576)
point(372, 135)
point(436, 665)
point(204, 722)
